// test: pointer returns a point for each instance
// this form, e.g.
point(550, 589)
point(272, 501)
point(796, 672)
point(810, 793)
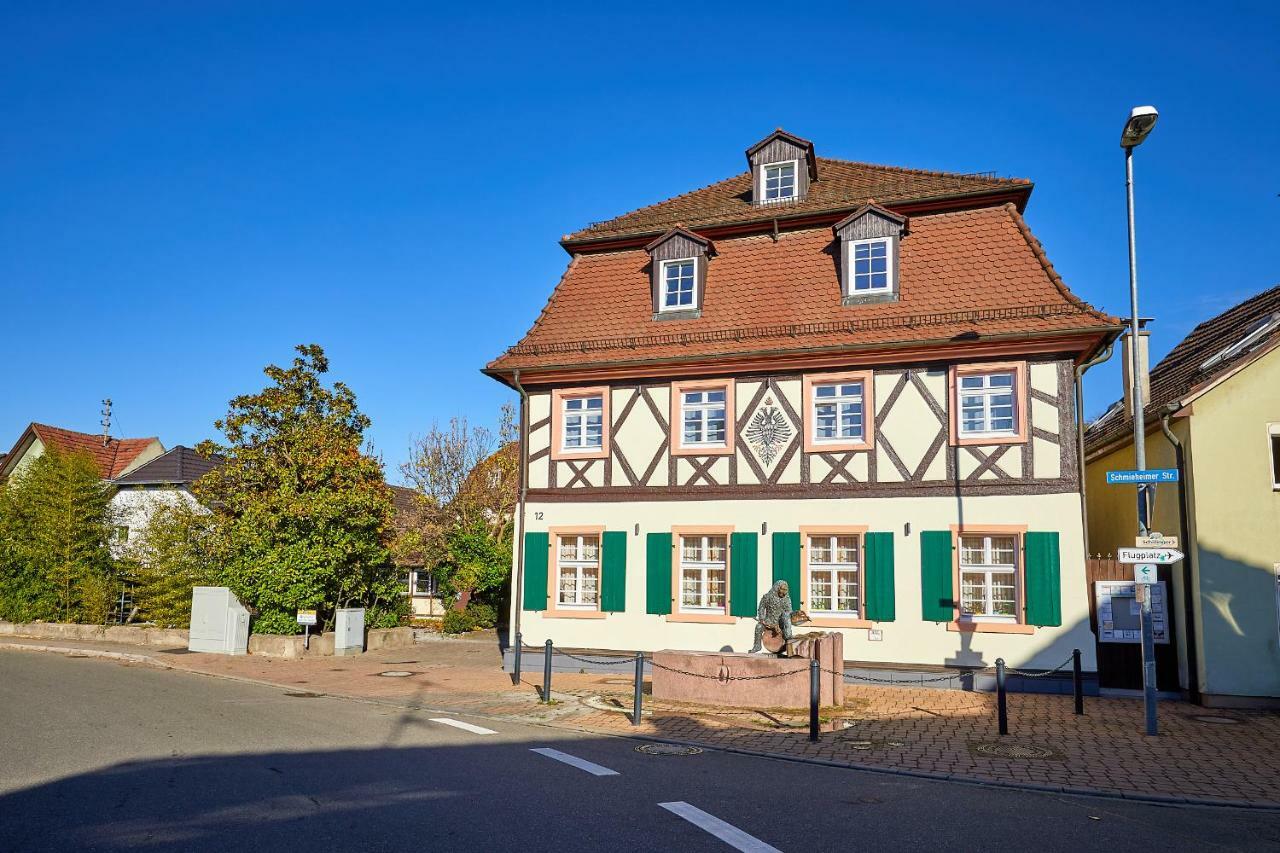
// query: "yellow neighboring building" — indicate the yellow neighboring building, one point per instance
point(1218, 394)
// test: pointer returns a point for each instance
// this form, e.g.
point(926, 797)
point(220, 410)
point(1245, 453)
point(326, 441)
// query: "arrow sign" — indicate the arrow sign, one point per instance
point(1159, 556)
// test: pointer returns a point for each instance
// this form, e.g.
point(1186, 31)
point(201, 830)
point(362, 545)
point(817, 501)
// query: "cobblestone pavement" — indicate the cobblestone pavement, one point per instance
point(920, 730)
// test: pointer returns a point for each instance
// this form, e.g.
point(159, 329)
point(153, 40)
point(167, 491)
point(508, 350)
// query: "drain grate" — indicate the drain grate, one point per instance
point(396, 673)
point(1216, 719)
point(1014, 750)
point(667, 749)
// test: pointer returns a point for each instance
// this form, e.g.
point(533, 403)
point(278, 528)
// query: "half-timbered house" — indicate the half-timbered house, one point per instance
point(857, 378)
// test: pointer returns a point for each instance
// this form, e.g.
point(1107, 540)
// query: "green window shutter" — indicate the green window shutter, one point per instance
point(936, 573)
point(658, 573)
point(743, 572)
point(1043, 580)
point(536, 548)
point(878, 570)
point(786, 565)
point(613, 571)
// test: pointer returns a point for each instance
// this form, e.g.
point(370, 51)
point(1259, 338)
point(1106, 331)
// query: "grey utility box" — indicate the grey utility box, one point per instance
point(348, 631)
point(219, 622)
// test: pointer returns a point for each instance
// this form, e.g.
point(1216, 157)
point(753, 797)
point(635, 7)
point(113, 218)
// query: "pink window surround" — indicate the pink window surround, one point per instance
point(706, 618)
point(867, 378)
point(558, 397)
point(1021, 398)
point(678, 390)
point(554, 609)
point(978, 627)
point(859, 530)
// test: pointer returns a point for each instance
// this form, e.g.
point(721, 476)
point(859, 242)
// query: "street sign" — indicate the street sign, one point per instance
point(306, 617)
point(1156, 540)
point(1129, 478)
point(1159, 556)
point(1144, 573)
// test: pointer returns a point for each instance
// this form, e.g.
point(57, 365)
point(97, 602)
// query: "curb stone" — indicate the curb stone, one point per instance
point(1154, 799)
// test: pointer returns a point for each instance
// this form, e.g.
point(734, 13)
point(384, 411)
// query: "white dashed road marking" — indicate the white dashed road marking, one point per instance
point(574, 761)
point(726, 832)
point(466, 727)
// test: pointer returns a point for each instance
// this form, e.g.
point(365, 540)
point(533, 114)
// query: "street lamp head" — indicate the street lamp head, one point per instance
point(1141, 120)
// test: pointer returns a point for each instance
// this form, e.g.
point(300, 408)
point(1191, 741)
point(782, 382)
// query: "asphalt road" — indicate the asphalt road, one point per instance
point(99, 756)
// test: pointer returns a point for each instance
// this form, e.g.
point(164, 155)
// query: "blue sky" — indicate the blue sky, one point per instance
point(191, 189)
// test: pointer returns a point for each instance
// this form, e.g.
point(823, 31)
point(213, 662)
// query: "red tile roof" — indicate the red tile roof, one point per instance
point(113, 458)
point(843, 186)
point(976, 270)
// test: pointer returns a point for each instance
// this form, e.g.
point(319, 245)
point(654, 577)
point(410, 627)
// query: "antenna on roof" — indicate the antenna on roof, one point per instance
point(106, 421)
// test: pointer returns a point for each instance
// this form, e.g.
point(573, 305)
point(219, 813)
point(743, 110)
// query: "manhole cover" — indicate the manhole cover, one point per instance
point(859, 744)
point(1216, 719)
point(667, 749)
point(402, 662)
point(396, 673)
point(1013, 750)
point(304, 695)
point(618, 681)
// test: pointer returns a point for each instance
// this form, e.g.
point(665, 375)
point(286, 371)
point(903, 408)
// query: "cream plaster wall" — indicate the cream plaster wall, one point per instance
point(908, 639)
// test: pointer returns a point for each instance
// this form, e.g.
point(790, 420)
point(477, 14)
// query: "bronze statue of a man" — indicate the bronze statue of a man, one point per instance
point(774, 612)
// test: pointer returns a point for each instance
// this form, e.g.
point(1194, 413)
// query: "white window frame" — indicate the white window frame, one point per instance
point(584, 413)
point(832, 569)
point(851, 275)
point(432, 583)
point(795, 181)
point(989, 569)
point(839, 401)
point(986, 393)
point(662, 285)
point(705, 567)
point(1273, 445)
point(577, 564)
point(703, 409)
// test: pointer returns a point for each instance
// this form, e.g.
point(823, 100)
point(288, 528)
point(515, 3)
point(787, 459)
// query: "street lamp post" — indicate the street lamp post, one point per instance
point(1141, 120)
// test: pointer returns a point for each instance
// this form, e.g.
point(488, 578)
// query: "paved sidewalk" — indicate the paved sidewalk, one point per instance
point(1233, 760)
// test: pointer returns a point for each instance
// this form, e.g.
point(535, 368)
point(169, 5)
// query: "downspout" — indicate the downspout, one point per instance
point(518, 588)
point(1188, 598)
point(1080, 371)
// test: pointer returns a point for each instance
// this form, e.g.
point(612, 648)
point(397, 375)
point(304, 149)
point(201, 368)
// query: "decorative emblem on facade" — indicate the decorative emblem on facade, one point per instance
point(768, 432)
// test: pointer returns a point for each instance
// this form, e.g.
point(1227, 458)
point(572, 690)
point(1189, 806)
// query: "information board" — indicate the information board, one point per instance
point(1119, 612)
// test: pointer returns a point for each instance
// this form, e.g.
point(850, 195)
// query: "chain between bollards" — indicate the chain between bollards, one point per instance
point(639, 697)
point(1077, 680)
point(814, 688)
point(1002, 711)
point(546, 675)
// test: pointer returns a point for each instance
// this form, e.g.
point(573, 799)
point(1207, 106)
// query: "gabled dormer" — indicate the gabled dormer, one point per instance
point(678, 260)
point(869, 239)
point(782, 168)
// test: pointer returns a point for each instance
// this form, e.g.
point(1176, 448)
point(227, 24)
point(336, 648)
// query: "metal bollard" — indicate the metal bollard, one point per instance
point(1077, 680)
point(519, 648)
point(635, 713)
point(1002, 712)
point(546, 675)
point(814, 685)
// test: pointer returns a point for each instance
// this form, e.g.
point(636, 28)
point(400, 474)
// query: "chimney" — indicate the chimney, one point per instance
point(1144, 365)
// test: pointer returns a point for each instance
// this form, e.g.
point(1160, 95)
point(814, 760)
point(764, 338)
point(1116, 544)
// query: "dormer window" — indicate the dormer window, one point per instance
point(679, 292)
point(869, 240)
point(871, 262)
point(778, 181)
point(678, 260)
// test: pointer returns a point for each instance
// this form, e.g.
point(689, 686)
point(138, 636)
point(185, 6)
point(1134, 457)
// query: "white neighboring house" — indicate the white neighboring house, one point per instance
point(165, 479)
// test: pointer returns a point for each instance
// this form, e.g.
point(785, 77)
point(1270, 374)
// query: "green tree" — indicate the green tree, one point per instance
point(173, 556)
point(55, 523)
point(301, 514)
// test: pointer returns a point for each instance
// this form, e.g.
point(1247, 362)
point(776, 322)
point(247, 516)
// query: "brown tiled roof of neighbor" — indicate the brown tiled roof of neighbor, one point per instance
point(842, 185)
point(977, 270)
point(408, 514)
point(1181, 372)
point(177, 466)
point(113, 458)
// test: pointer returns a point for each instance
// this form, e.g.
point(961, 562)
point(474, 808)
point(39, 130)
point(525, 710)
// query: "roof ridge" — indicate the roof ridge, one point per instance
point(936, 173)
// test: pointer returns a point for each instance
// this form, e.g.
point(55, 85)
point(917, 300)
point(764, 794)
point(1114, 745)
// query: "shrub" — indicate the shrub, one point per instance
point(457, 622)
point(483, 615)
